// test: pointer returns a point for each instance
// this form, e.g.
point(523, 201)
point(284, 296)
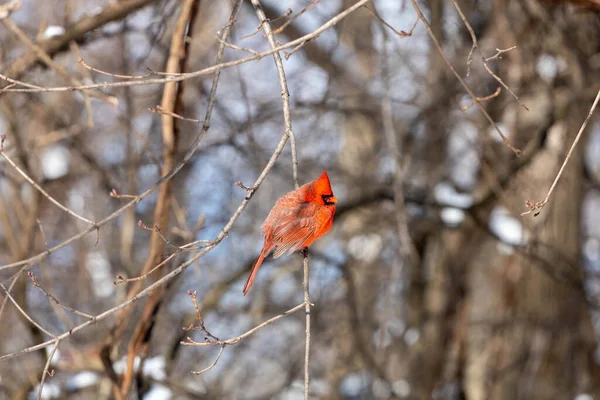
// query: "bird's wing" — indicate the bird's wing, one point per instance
point(294, 229)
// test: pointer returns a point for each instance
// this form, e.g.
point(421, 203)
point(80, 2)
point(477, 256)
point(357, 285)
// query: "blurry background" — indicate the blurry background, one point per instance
point(430, 284)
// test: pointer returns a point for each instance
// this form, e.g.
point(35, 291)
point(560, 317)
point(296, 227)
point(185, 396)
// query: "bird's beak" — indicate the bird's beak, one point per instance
point(333, 199)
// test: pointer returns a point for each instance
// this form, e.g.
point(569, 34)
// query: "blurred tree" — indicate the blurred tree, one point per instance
point(430, 285)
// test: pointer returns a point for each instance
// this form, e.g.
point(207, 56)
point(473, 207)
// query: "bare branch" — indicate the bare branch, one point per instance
point(483, 59)
point(7, 8)
point(38, 187)
point(486, 98)
point(77, 32)
point(289, 21)
point(402, 34)
point(285, 94)
point(54, 299)
point(235, 340)
point(206, 71)
point(536, 207)
point(27, 316)
point(307, 305)
point(82, 62)
point(46, 371)
point(462, 82)
point(235, 47)
point(211, 366)
point(160, 110)
point(499, 53)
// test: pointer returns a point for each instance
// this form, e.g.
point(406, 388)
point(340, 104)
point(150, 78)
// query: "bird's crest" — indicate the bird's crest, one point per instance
point(321, 185)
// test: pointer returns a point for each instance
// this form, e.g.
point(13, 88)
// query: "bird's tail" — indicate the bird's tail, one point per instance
point(255, 268)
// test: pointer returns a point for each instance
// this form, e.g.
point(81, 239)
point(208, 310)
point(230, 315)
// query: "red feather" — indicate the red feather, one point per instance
point(296, 220)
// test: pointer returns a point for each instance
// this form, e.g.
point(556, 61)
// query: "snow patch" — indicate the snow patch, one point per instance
point(55, 161)
point(54, 31)
point(158, 392)
point(445, 194)
point(81, 381)
point(507, 228)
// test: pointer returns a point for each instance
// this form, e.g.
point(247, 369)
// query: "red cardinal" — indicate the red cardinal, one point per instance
point(298, 219)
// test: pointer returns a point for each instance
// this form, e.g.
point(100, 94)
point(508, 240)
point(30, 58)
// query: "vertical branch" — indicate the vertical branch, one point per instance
point(307, 305)
point(285, 94)
point(285, 98)
point(405, 249)
point(129, 223)
point(175, 63)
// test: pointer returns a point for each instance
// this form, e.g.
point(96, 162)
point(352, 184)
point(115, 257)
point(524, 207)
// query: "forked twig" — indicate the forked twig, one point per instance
point(486, 98)
point(483, 59)
point(235, 340)
point(438, 46)
point(402, 34)
point(289, 21)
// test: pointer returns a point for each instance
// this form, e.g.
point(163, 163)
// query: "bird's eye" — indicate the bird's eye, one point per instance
point(327, 199)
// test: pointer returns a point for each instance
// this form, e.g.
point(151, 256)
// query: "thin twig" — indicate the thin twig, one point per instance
point(38, 187)
point(54, 299)
point(307, 304)
point(121, 279)
point(483, 59)
point(14, 278)
point(84, 64)
point(161, 110)
point(242, 186)
point(235, 47)
point(499, 53)
point(186, 247)
point(536, 207)
point(18, 83)
point(402, 34)
point(460, 79)
point(289, 21)
point(486, 98)
point(211, 366)
point(190, 342)
point(46, 371)
point(202, 328)
point(259, 27)
point(113, 193)
point(30, 319)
